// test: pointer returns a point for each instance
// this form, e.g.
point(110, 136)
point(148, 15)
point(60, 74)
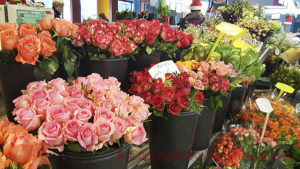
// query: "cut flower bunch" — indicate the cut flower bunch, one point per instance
point(176, 94)
point(93, 112)
point(19, 149)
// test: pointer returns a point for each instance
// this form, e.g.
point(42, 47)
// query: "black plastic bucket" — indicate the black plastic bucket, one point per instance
point(13, 79)
point(171, 140)
point(236, 101)
point(143, 61)
point(113, 160)
point(204, 127)
point(105, 67)
point(221, 114)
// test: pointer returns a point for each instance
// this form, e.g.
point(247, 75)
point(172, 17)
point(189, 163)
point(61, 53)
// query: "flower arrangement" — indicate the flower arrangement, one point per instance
point(19, 149)
point(28, 44)
point(259, 28)
point(146, 15)
point(210, 77)
point(238, 146)
point(174, 95)
point(153, 36)
point(283, 125)
point(93, 113)
point(288, 75)
point(100, 39)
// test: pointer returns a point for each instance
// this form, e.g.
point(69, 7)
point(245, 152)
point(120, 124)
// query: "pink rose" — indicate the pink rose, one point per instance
point(58, 84)
point(71, 129)
point(104, 130)
point(140, 115)
point(87, 104)
point(27, 118)
point(22, 102)
point(72, 104)
point(135, 135)
point(40, 93)
point(129, 122)
point(94, 79)
point(102, 40)
point(113, 83)
point(56, 97)
point(107, 104)
point(123, 110)
point(87, 137)
point(198, 85)
point(81, 81)
point(103, 113)
point(75, 91)
point(135, 100)
point(120, 129)
point(51, 134)
point(41, 106)
point(34, 86)
point(83, 115)
point(58, 114)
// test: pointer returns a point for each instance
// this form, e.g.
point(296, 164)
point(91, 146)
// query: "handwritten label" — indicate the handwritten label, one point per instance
point(264, 105)
point(277, 51)
point(160, 69)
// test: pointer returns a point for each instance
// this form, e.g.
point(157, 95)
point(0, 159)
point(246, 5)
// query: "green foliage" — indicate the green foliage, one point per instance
point(125, 15)
point(215, 103)
point(164, 8)
point(74, 147)
point(49, 65)
point(14, 165)
point(287, 75)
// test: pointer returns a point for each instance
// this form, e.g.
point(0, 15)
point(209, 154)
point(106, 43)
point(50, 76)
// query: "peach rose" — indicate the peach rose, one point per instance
point(135, 135)
point(6, 26)
point(9, 39)
point(29, 49)
point(64, 28)
point(44, 34)
point(45, 24)
point(26, 29)
point(48, 46)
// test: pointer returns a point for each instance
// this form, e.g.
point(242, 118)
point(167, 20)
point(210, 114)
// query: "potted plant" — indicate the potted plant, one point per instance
point(164, 11)
point(19, 149)
point(40, 50)
point(103, 49)
point(146, 15)
point(125, 15)
point(175, 105)
point(155, 42)
point(211, 78)
point(89, 124)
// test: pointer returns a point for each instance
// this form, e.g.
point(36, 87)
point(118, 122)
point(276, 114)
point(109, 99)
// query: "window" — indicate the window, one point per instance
point(125, 5)
point(88, 10)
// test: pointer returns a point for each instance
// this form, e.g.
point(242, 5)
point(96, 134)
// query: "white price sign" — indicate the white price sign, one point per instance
point(160, 69)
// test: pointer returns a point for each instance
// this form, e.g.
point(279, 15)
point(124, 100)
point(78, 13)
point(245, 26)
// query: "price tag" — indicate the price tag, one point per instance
point(160, 69)
point(241, 44)
point(291, 55)
point(264, 105)
point(229, 29)
point(284, 87)
point(277, 51)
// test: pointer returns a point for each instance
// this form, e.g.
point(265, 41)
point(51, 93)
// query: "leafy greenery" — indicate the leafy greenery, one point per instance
point(287, 75)
point(125, 15)
point(164, 8)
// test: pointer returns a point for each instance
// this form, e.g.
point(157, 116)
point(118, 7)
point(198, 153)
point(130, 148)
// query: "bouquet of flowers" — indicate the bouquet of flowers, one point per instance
point(19, 149)
point(210, 77)
point(100, 39)
point(175, 94)
point(238, 148)
point(89, 115)
point(283, 125)
point(153, 36)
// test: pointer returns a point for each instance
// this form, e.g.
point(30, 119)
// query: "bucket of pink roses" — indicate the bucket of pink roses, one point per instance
point(32, 53)
point(103, 49)
point(175, 105)
point(212, 78)
point(88, 124)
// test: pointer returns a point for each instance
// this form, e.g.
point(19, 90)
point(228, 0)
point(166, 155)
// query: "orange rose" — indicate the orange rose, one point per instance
point(273, 135)
point(44, 34)
point(64, 28)
point(47, 47)
point(45, 24)
point(9, 39)
point(8, 26)
point(29, 49)
point(26, 29)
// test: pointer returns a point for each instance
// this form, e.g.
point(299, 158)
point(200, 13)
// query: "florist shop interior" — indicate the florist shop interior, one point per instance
point(149, 84)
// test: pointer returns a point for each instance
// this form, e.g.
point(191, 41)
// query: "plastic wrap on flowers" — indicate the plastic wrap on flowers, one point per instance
point(92, 115)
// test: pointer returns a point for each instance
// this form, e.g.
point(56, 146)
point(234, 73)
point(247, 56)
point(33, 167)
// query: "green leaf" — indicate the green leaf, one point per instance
point(75, 147)
point(69, 67)
point(40, 75)
point(14, 165)
point(49, 65)
point(148, 50)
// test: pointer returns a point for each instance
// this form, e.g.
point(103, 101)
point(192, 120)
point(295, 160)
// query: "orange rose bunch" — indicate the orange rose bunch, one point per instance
point(283, 125)
point(30, 44)
point(62, 27)
point(19, 146)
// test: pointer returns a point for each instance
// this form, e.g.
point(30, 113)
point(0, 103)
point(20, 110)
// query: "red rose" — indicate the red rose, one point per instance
point(216, 86)
point(183, 42)
point(150, 37)
point(169, 35)
point(174, 108)
point(138, 39)
point(102, 40)
point(183, 101)
point(130, 32)
point(199, 96)
point(168, 94)
point(191, 38)
point(158, 102)
point(117, 48)
point(86, 35)
point(135, 89)
point(131, 46)
point(156, 88)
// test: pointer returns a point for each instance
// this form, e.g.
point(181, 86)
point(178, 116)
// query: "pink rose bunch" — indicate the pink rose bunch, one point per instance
point(105, 36)
point(93, 111)
point(212, 76)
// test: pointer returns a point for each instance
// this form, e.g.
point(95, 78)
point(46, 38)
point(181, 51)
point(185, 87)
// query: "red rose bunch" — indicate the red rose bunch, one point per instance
point(105, 36)
point(175, 94)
